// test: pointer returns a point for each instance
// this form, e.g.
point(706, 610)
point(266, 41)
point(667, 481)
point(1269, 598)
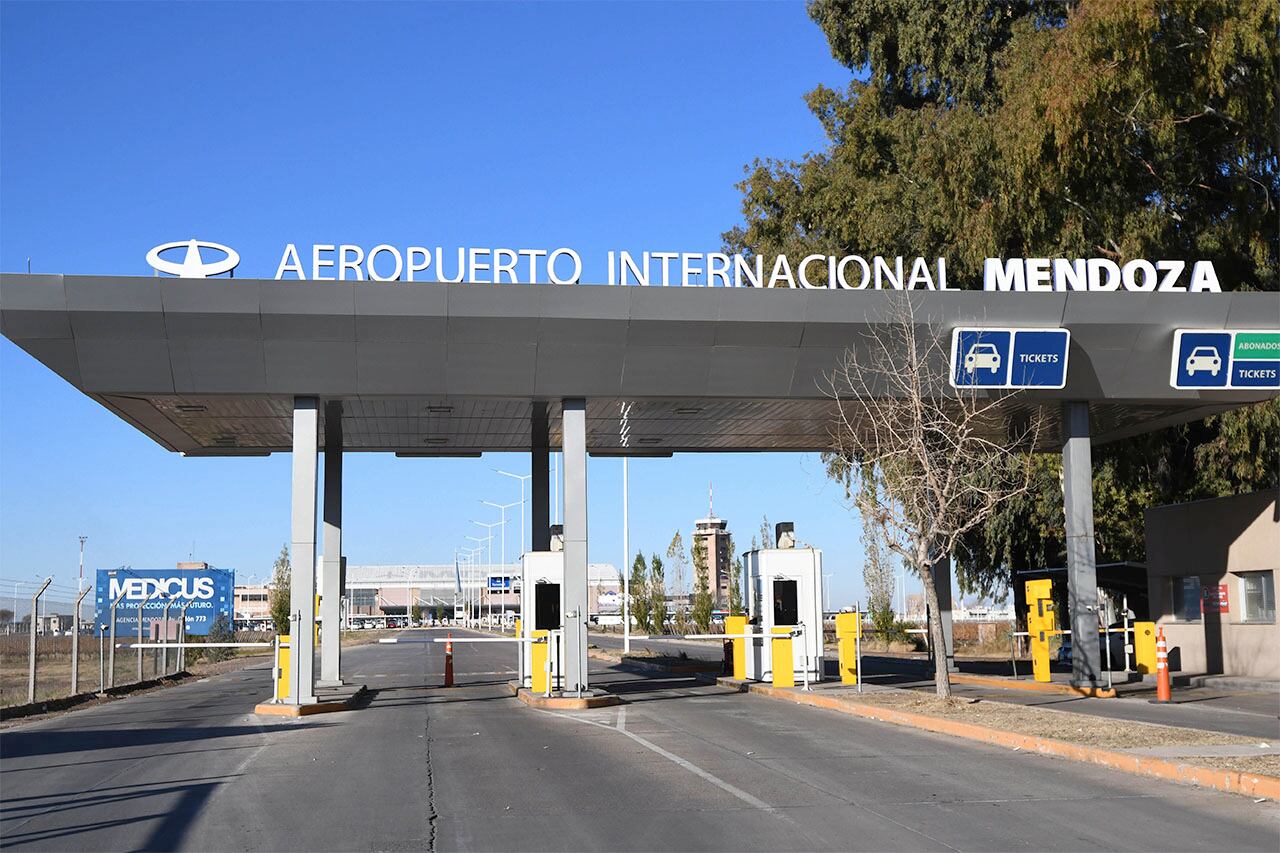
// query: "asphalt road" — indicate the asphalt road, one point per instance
point(1242, 713)
point(681, 766)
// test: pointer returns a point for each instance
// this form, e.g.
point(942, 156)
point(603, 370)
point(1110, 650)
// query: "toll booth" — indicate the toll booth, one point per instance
point(784, 591)
point(541, 604)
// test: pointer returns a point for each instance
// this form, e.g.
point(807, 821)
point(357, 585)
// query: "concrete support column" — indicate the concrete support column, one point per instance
point(540, 482)
point(1082, 571)
point(331, 572)
point(302, 583)
point(942, 585)
point(575, 547)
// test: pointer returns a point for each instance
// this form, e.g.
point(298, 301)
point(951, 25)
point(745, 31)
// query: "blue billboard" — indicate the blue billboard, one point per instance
point(206, 593)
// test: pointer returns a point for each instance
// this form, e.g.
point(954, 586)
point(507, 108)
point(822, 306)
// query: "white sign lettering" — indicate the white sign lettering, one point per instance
point(562, 265)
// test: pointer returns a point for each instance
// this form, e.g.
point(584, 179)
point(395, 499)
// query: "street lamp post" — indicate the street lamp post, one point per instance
point(503, 508)
point(471, 561)
point(80, 586)
point(488, 526)
point(521, 478)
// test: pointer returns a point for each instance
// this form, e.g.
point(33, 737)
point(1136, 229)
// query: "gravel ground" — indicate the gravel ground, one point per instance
point(1267, 765)
point(1042, 722)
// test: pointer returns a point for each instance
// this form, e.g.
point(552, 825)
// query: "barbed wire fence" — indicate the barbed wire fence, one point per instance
point(46, 652)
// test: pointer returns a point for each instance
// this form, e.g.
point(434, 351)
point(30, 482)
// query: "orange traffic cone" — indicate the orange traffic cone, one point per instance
point(1162, 670)
point(448, 661)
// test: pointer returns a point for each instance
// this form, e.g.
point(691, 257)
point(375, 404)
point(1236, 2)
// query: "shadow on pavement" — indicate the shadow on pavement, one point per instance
point(172, 820)
point(22, 744)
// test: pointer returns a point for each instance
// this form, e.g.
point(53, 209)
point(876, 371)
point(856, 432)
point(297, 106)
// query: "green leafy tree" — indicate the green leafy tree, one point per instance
point(220, 631)
point(703, 602)
point(766, 533)
point(281, 582)
point(640, 599)
point(877, 566)
point(978, 128)
point(657, 596)
point(735, 582)
point(415, 613)
point(677, 569)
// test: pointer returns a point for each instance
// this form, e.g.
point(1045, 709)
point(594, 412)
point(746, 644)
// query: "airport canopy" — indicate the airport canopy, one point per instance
point(212, 366)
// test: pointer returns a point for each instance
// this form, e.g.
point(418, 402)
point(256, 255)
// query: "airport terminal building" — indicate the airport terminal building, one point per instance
point(215, 366)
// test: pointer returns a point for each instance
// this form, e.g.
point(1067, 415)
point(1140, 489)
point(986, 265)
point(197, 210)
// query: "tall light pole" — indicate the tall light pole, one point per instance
point(471, 561)
point(503, 508)
point(521, 478)
point(80, 586)
point(488, 526)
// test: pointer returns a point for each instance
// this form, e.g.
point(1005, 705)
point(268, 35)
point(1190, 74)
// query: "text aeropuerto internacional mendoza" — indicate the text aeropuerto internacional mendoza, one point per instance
point(384, 262)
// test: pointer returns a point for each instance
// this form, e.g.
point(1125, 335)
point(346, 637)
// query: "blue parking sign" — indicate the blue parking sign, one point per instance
point(980, 358)
point(1039, 358)
point(1202, 360)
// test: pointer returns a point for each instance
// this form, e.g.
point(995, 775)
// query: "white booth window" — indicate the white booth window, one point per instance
point(1185, 598)
point(1258, 594)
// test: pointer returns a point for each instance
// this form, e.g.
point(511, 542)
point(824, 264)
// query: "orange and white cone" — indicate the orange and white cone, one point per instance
point(1163, 694)
point(448, 661)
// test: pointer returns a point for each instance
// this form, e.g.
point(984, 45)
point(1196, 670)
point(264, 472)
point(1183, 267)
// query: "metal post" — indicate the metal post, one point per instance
point(302, 587)
point(182, 638)
point(942, 584)
point(626, 562)
point(1013, 658)
point(111, 646)
point(102, 657)
point(331, 572)
point(1125, 647)
point(857, 645)
point(575, 546)
point(1082, 572)
point(540, 482)
point(75, 640)
point(31, 658)
point(144, 603)
point(164, 651)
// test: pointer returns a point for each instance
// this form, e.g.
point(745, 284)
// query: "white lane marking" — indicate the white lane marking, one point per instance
point(674, 759)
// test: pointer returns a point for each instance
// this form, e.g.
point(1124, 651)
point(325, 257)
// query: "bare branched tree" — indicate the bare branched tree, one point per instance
point(923, 462)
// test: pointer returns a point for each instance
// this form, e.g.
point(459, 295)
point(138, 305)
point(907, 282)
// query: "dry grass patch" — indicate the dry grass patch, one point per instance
point(1066, 726)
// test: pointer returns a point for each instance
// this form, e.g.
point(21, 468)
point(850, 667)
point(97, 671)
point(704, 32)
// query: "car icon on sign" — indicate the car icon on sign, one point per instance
point(982, 356)
point(1204, 358)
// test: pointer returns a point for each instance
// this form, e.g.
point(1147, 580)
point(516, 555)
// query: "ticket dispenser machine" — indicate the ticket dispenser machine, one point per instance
point(541, 606)
point(784, 590)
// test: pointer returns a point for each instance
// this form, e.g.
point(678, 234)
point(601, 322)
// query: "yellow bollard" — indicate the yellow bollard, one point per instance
point(1042, 623)
point(282, 677)
point(1144, 647)
point(538, 663)
point(848, 629)
point(737, 625)
point(784, 662)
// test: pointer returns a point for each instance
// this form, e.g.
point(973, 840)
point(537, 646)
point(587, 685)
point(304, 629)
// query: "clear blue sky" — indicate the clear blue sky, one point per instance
point(590, 126)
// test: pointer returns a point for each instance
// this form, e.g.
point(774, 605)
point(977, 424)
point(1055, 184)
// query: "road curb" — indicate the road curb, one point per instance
point(1227, 781)
point(1033, 686)
point(274, 709)
point(562, 703)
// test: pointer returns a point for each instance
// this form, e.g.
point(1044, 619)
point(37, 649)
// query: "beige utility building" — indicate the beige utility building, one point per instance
point(1211, 570)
